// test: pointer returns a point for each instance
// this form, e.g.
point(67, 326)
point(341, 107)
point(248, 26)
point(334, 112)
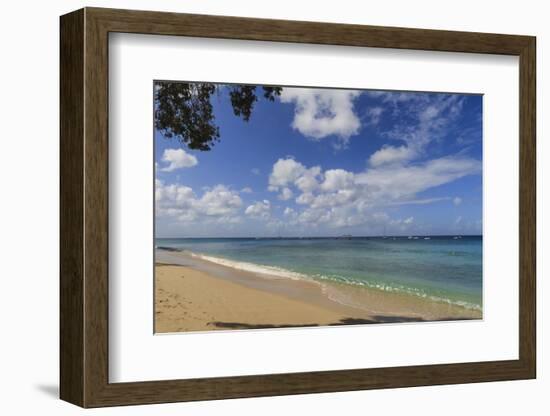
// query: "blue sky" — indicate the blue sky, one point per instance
point(327, 162)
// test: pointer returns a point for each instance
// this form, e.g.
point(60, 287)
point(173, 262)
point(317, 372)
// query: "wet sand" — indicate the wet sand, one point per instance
point(197, 295)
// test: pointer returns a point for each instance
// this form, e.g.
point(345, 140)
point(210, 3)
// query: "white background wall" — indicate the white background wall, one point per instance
point(29, 207)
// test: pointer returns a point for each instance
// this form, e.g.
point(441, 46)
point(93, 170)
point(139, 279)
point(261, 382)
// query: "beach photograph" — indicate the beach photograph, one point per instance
point(297, 207)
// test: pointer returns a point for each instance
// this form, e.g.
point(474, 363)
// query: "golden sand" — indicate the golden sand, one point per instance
point(188, 299)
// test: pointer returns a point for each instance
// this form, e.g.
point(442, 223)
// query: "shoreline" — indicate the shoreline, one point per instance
point(194, 294)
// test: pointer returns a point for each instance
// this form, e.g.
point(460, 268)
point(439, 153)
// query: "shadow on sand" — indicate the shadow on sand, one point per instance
point(242, 325)
point(377, 319)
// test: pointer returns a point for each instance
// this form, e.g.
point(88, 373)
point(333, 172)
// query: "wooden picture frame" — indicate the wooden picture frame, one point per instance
point(84, 207)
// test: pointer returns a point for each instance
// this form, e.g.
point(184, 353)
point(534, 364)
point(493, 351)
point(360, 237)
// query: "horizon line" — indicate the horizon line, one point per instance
point(341, 236)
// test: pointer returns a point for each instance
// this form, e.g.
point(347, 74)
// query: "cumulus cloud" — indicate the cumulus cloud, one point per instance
point(218, 204)
point(308, 180)
point(398, 173)
point(260, 209)
point(177, 159)
point(320, 113)
point(288, 211)
point(337, 179)
point(342, 198)
point(393, 175)
point(305, 199)
point(220, 201)
point(285, 194)
point(287, 172)
point(284, 172)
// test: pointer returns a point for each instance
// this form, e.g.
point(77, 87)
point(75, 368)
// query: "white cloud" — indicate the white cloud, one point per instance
point(320, 113)
point(392, 177)
point(344, 198)
point(305, 198)
point(219, 201)
point(338, 198)
point(218, 204)
point(423, 201)
point(337, 179)
point(285, 194)
point(396, 97)
point(401, 225)
point(374, 114)
point(391, 154)
point(284, 172)
point(260, 209)
point(398, 182)
point(287, 172)
point(337, 217)
point(178, 159)
point(422, 120)
point(288, 211)
point(307, 182)
point(397, 174)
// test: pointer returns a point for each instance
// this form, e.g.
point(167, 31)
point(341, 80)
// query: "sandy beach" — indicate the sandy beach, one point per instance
point(196, 295)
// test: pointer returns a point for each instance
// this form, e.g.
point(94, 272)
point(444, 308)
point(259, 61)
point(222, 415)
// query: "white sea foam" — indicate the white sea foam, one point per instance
point(401, 290)
point(268, 271)
point(279, 272)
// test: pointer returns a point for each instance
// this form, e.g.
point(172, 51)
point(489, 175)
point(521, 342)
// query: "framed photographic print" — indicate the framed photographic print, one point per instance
point(259, 207)
point(342, 202)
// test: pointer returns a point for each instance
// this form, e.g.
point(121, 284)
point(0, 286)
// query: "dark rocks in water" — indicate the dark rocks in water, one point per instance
point(167, 248)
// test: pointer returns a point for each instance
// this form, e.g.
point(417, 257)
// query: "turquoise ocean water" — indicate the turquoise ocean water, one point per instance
point(442, 268)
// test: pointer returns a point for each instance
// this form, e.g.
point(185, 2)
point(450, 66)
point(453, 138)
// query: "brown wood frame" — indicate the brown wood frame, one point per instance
point(84, 207)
